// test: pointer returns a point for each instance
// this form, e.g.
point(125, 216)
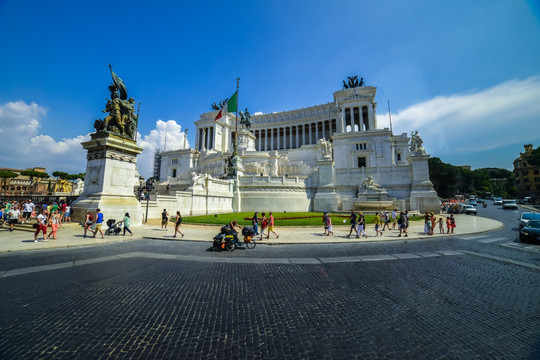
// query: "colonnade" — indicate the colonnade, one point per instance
point(356, 118)
point(206, 138)
point(293, 136)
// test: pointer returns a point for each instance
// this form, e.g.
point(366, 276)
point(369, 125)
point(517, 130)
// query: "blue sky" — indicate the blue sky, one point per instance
point(466, 74)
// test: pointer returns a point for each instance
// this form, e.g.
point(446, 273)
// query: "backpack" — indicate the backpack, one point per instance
point(400, 220)
point(264, 224)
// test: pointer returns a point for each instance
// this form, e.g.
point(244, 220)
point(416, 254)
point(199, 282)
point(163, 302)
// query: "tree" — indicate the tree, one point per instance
point(534, 158)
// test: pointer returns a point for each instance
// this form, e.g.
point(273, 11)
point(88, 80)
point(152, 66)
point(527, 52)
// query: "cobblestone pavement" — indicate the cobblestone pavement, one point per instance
point(458, 297)
point(458, 306)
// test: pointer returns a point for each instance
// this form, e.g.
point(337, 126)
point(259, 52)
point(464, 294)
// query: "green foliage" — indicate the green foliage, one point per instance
point(449, 180)
point(281, 219)
point(534, 158)
point(61, 175)
point(35, 174)
point(8, 175)
point(77, 176)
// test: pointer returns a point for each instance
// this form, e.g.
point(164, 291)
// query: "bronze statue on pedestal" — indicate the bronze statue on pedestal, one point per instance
point(121, 119)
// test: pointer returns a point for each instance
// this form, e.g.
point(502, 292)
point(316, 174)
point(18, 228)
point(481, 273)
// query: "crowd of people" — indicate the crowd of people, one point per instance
point(381, 221)
point(45, 214)
point(53, 214)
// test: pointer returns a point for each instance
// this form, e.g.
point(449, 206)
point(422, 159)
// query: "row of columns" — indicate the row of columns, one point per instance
point(356, 118)
point(206, 138)
point(293, 136)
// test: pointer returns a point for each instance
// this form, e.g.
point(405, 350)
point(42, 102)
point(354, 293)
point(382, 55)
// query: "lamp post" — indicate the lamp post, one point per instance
point(149, 187)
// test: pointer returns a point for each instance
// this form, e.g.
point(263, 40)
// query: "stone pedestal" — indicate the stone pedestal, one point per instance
point(110, 179)
point(246, 140)
point(423, 197)
point(326, 198)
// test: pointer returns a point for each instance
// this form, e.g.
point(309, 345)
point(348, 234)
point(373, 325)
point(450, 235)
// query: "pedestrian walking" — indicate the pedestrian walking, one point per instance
point(328, 226)
point(394, 219)
point(361, 226)
point(402, 223)
point(271, 226)
point(177, 224)
point(377, 221)
point(55, 222)
point(255, 222)
point(386, 221)
point(324, 220)
point(164, 219)
point(264, 224)
point(406, 219)
point(127, 224)
point(352, 221)
point(67, 214)
point(41, 226)
point(88, 221)
point(99, 222)
point(14, 215)
point(28, 208)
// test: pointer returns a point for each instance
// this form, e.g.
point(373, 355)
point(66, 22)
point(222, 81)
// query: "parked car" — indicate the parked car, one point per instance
point(530, 232)
point(468, 209)
point(497, 201)
point(526, 217)
point(509, 204)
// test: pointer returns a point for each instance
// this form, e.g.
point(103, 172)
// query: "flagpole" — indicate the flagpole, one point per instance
point(390, 116)
point(236, 119)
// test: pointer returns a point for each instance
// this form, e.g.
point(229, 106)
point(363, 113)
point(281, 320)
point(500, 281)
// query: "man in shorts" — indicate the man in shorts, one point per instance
point(99, 222)
point(28, 208)
point(14, 215)
point(164, 219)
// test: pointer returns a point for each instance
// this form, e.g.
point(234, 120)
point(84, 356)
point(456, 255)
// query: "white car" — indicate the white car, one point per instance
point(468, 209)
point(509, 204)
point(497, 201)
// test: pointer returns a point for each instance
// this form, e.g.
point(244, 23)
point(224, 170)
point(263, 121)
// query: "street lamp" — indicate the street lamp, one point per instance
point(149, 187)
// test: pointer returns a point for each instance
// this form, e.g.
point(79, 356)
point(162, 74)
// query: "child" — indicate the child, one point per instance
point(448, 225)
point(441, 229)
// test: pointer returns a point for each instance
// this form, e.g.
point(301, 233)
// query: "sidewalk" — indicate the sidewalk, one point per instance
point(72, 234)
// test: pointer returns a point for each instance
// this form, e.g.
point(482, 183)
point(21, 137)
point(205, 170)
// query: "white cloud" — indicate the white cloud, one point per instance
point(505, 114)
point(167, 135)
point(25, 148)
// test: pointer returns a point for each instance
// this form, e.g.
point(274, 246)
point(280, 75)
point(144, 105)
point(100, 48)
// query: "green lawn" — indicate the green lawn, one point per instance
point(281, 219)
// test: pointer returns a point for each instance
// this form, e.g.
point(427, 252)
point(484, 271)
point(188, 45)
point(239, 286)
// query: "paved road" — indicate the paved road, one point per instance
point(447, 297)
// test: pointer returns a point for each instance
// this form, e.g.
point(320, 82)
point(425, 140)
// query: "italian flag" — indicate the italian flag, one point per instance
point(230, 106)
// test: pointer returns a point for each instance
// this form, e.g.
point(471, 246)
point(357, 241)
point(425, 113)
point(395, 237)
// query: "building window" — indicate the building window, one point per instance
point(361, 162)
point(536, 171)
point(398, 156)
point(524, 164)
point(173, 173)
point(362, 146)
point(174, 161)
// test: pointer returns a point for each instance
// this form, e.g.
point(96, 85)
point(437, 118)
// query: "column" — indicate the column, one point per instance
point(271, 138)
point(316, 131)
point(296, 136)
point(371, 117)
point(310, 133)
point(323, 132)
point(340, 120)
point(290, 137)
